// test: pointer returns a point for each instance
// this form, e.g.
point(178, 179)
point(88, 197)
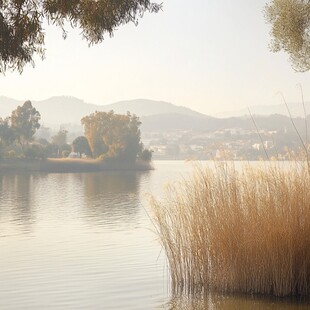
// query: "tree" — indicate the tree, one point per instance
point(94, 132)
point(80, 145)
point(25, 122)
point(290, 21)
point(60, 139)
point(21, 23)
point(113, 135)
point(7, 134)
point(129, 138)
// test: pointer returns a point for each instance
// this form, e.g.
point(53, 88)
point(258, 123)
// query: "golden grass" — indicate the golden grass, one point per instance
point(89, 165)
point(71, 165)
point(244, 231)
point(73, 160)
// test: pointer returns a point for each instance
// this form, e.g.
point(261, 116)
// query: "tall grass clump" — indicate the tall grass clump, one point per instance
point(238, 231)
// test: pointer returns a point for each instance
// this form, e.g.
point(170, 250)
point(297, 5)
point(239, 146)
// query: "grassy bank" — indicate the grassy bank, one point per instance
point(69, 165)
point(242, 231)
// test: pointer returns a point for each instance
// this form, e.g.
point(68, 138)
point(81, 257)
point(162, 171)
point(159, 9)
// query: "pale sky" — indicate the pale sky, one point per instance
point(208, 55)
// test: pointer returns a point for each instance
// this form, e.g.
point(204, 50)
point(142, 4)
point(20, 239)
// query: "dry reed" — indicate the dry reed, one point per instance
point(245, 231)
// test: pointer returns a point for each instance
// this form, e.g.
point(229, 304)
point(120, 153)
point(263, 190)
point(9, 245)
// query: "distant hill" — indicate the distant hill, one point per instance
point(7, 105)
point(173, 122)
point(62, 110)
point(296, 109)
point(158, 116)
point(144, 107)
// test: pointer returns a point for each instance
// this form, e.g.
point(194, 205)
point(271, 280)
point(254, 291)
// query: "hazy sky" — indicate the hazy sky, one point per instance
point(209, 55)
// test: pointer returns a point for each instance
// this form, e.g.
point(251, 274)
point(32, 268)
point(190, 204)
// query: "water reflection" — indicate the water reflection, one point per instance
point(16, 201)
point(227, 302)
point(91, 245)
point(112, 197)
point(109, 198)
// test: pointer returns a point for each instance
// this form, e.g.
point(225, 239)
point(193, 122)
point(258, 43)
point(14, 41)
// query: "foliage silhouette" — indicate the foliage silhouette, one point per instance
point(21, 23)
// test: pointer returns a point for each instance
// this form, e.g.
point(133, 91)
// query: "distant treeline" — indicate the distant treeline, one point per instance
point(108, 136)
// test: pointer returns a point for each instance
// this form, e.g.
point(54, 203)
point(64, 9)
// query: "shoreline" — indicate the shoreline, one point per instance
point(70, 165)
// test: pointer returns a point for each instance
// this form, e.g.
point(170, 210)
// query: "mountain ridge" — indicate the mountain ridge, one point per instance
point(296, 110)
point(66, 109)
point(157, 116)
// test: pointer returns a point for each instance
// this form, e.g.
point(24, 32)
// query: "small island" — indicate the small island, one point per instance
point(111, 142)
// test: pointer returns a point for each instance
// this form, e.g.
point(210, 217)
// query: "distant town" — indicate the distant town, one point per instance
point(226, 144)
point(222, 144)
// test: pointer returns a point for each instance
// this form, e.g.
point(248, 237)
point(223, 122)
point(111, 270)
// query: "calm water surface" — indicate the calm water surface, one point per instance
point(85, 241)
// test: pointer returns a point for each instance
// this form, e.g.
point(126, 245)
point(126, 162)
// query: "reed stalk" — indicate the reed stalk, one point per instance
point(238, 231)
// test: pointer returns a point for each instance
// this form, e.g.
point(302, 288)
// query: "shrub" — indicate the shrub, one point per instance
point(35, 151)
point(146, 155)
point(239, 231)
point(65, 153)
point(11, 154)
point(80, 145)
point(51, 150)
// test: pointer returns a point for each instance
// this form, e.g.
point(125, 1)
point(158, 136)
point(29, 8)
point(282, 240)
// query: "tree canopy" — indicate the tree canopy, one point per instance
point(7, 134)
point(290, 21)
point(80, 145)
point(20, 127)
point(60, 138)
point(25, 122)
point(21, 23)
point(113, 135)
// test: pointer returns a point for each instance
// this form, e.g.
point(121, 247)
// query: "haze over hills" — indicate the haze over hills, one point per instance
point(173, 122)
point(7, 105)
point(296, 109)
point(157, 116)
point(63, 110)
point(145, 107)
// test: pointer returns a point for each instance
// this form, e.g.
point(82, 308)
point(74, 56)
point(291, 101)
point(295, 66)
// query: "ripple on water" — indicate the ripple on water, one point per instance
point(84, 241)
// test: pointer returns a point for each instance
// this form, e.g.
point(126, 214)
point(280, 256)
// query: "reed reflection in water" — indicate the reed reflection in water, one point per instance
point(234, 302)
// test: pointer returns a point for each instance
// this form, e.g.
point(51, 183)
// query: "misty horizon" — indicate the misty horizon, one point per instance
point(208, 69)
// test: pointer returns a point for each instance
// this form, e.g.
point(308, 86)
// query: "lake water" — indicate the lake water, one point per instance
point(85, 241)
